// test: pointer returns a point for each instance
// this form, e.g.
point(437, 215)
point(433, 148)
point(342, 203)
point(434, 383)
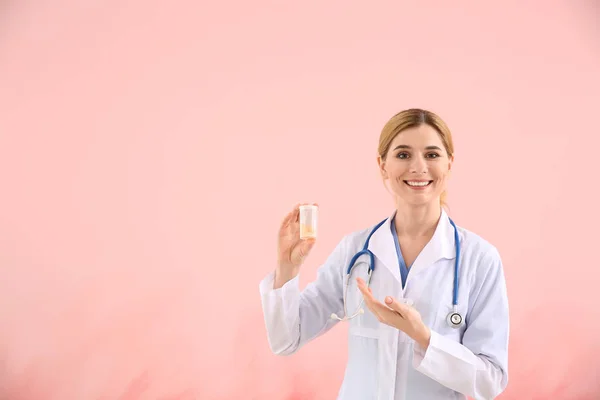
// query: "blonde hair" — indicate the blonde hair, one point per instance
point(412, 118)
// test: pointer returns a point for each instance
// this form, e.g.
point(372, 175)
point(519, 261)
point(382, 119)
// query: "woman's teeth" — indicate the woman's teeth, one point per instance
point(417, 183)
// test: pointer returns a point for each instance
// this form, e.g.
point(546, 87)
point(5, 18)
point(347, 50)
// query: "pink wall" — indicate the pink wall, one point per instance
point(148, 153)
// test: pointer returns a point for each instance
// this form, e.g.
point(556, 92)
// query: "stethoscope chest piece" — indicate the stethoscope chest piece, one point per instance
point(454, 319)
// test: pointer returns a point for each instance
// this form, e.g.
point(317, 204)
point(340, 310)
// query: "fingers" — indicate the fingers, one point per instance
point(306, 246)
point(362, 285)
point(292, 215)
point(379, 309)
point(370, 301)
point(397, 306)
point(301, 251)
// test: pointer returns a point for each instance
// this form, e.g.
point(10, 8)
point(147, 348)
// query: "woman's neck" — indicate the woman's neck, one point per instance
point(417, 221)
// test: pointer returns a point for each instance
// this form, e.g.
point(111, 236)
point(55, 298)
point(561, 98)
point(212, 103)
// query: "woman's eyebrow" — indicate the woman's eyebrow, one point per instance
point(405, 146)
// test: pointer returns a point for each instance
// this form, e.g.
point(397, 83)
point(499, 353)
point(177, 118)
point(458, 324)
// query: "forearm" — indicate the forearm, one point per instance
point(281, 314)
point(455, 366)
point(423, 337)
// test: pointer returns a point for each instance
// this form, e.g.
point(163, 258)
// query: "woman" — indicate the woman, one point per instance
point(417, 337)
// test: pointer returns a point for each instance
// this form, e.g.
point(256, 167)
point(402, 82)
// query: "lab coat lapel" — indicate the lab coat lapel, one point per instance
point(440, 246)
point(383, 247)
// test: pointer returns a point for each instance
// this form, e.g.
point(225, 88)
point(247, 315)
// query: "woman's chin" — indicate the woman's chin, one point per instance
point(416, 199)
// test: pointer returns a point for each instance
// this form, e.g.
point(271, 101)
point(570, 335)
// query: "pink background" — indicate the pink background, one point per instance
point(149, 151)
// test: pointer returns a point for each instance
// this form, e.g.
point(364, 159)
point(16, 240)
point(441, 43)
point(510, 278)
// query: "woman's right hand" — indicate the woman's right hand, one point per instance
point(291, 250)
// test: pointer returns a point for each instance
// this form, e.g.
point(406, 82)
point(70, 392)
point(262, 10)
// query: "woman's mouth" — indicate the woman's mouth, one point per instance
point(418, 185)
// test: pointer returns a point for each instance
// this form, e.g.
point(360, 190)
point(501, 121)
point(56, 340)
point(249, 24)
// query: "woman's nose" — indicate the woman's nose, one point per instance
point(418, 165)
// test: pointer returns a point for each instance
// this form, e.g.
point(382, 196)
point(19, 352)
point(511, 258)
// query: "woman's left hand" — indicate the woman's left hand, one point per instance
point(397, 315)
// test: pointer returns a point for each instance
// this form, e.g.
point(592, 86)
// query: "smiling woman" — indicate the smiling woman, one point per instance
point(419, 158)
point(423, 334)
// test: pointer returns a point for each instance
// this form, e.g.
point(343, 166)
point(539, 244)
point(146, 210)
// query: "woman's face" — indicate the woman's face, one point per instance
point(417, 166)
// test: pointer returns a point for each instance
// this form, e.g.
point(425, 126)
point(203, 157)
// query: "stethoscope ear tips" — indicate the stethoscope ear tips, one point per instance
point(362, 311)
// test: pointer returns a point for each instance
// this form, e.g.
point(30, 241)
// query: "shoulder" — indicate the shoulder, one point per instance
point(474, 243)
point(479, 253)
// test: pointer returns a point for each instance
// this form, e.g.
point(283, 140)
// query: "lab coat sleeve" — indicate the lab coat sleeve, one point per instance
point(293, 317)
point(478, 367)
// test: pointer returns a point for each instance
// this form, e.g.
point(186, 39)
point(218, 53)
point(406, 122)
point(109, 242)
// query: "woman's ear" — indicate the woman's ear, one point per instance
point(382, 170)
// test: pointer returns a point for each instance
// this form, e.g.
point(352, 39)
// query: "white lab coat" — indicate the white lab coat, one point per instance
point(383, 362)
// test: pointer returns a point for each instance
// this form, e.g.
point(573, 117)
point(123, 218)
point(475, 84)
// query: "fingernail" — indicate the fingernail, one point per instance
point(388, 299)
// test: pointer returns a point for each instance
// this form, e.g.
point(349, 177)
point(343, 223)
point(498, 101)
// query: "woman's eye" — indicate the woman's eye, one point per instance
point(404, 155)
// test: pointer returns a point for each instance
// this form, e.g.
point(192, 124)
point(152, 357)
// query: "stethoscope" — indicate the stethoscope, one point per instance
point(454, 318)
